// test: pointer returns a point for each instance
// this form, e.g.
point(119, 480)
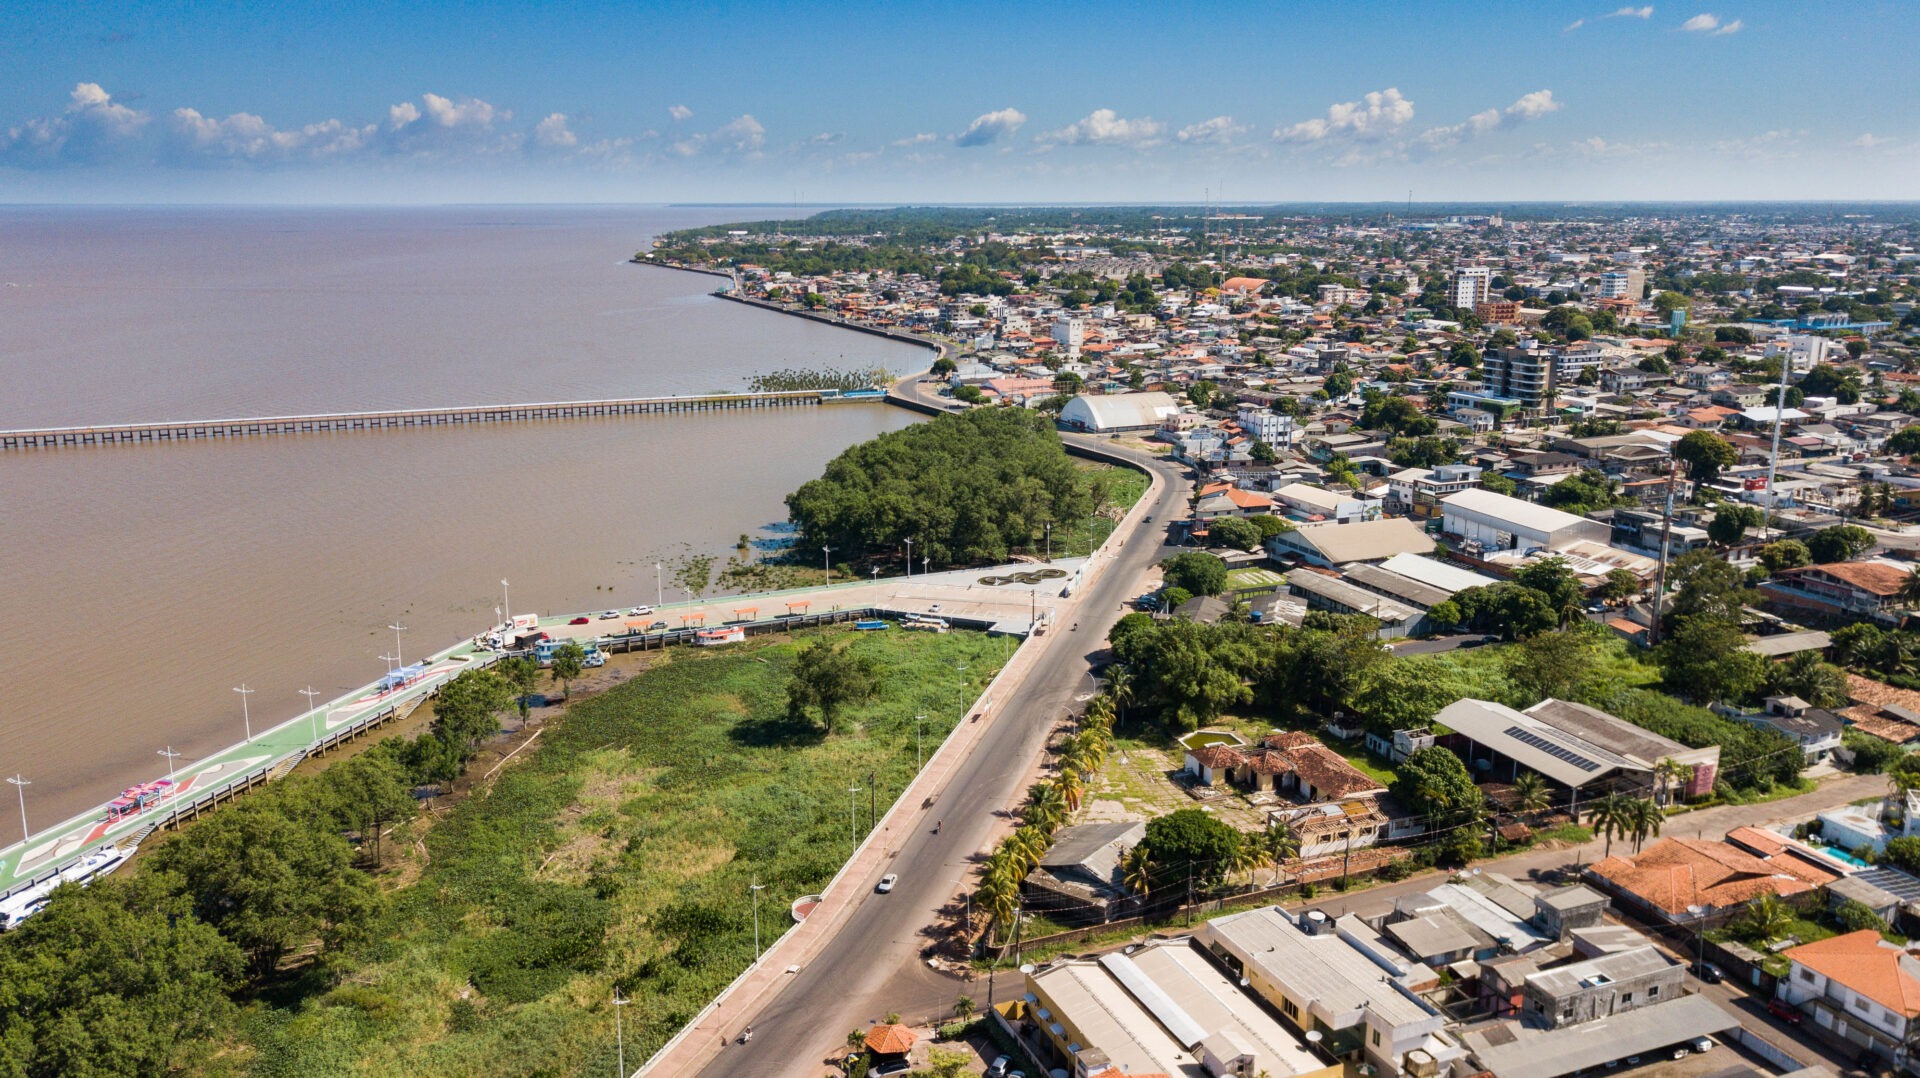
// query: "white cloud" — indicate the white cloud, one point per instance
point(244, 136)
point(553, 133)
point(920, 139)
point(680, 112)
point(1105, 127)
point(1871, 141)
point(991, 127)
point(1218, 129)
point(741, 137)
point(828, 138)
point(1530, 107)
point(93, 127)
point(1632, 13)
point(471, 112)
point(1574, 25)
point(1708, 23)
point(1376, 115)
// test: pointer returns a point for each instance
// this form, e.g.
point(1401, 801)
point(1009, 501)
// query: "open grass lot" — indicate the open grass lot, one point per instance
point(1125, 486)
point(621, 850)
point(1248, 579)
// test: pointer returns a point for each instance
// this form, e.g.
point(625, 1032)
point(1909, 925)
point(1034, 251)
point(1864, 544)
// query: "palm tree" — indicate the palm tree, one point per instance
point(1669, 773)
point(1247, 856)
point(1609, 817)
point(1046, 806)
point(1896, 654)
point(1072, 785)
point(1767, 918)
point(1910, 588)
point(1136, 871)
point(1116, 681)
point(1099, 712)
point(1026, 846)
point(999, 892)
point(1531, 793)
point(1282, 845)
point(1643, 820)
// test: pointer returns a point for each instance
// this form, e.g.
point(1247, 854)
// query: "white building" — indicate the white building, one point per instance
point(1630, 283)
point(1859, 987)
point(1118, 412)
point(1070, 334)
point(1470, 287)
point(1268, 426)
point(1497, 522)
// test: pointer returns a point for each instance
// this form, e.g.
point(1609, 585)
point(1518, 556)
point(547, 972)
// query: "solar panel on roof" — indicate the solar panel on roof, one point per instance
point(1553, 749)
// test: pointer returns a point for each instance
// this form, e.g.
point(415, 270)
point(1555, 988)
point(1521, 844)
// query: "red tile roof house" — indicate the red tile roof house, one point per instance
point(1673, 874)
point(1848, 588)
point(1290, 762)
point(1858, 988)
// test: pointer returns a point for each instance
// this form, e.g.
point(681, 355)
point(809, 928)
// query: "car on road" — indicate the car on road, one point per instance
point(1149, 519)
point(1785, 1011)
point(656, 626)
point(886, 882)
point(1709, 973)
point(609, 615)
point(998, 1068)
point(640, 611)
point(581, 620)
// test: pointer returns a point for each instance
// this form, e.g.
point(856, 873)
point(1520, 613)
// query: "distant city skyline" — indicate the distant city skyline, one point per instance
point(988, 102)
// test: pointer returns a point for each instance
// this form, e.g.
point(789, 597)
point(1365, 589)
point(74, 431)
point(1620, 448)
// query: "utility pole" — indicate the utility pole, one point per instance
point(873, 800)
point(245, 717)
point(620, 1034)
point(756, 889)
point(397, 630)
point(310, 692)
point(853, 821)
point(171, 756)
point(919, 760)
point(826, 563)
point(1773, 457)
point(20, 786)
point(1666, 549)
point(1189, 894)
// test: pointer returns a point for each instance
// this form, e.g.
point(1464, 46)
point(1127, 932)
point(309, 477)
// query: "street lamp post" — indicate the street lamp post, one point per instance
point(397, 630)
point(169, 754)
point(20, 785)
point(659, 587)
point(926, 564)
point(1049, 540)
point(918, 761)
point(756, 889)
point(246, 719)
point(310, 692)
point(853, 819)
point(909, 559)
point(826, 563)
point(506, 603)
point(619, 1033)
point(876, 574)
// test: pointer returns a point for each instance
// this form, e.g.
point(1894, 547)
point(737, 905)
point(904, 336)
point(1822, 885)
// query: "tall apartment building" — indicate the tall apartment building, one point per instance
point(1628, 283)
point(1471, 287)
point(1070, 334)
point(1526, 373)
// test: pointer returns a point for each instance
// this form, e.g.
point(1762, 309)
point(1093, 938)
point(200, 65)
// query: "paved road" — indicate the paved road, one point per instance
point(873, 963)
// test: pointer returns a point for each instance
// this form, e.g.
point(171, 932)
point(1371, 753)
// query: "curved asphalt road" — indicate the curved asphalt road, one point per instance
point(873, 964)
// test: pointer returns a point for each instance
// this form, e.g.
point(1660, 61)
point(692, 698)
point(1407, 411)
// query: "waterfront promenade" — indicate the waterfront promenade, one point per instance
point(198, 784)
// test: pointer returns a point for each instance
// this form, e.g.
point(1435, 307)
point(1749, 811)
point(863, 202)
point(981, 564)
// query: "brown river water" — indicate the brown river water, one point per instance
point(141, 583)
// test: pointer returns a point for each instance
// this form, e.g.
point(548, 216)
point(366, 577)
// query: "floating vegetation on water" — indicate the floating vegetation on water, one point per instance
point(796, 379)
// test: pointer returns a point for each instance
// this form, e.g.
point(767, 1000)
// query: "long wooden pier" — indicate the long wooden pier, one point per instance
point(195, 430)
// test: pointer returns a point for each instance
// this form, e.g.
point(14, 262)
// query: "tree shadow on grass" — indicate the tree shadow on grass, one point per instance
point(776, 732)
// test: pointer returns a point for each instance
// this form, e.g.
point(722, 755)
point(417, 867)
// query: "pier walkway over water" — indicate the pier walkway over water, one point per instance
point(1010, 606)
point(194, 430)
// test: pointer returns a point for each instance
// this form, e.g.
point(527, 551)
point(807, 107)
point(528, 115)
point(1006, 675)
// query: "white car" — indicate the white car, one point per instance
point(639, 611)
point(609, 615)
point(886, 883)
point(998, 1068)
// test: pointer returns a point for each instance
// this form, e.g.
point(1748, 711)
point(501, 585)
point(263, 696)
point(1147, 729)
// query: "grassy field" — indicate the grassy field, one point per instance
point(622, 850)
point(1247, 579)
point(1127, 486)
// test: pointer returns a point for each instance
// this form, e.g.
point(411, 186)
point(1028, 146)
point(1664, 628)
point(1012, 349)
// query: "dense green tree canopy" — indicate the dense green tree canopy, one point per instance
point(1705, 454)
point(1234, 532)
point(110, 980)
point(1190, 842)
point(965, 488)
point(827, 678)
point(1196, 573)
point(1434, 782)
point(1842, 542)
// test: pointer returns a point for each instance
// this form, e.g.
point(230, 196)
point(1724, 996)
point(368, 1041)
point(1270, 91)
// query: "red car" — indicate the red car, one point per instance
point(1784, 1011)
point(581, 620)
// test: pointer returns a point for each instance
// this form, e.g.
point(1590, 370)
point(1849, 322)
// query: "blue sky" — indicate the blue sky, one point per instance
point(1271, 101)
